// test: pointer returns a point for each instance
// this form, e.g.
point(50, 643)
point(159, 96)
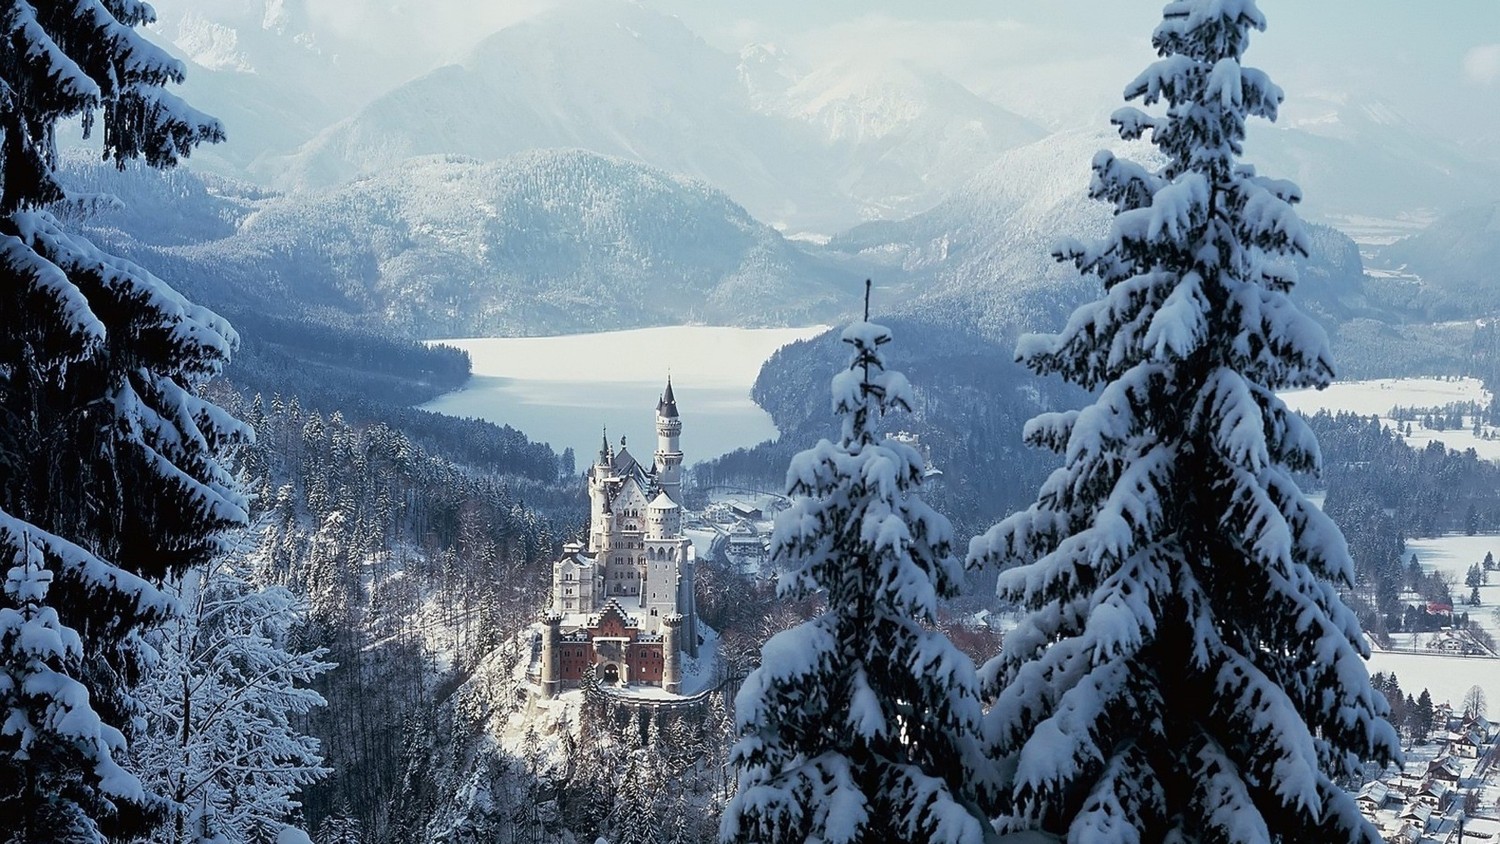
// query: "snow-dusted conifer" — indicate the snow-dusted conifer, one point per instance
point(223, 703)
point(861, 724)
point(48, 717)
point(1187, 670)
point(107, 455)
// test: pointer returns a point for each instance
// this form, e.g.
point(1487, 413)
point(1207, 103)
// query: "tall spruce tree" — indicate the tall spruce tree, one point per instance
point(1187, 670)
point(108, 469)
point(861, 724)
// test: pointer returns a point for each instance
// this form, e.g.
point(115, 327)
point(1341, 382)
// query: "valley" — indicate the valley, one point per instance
point(461, 244)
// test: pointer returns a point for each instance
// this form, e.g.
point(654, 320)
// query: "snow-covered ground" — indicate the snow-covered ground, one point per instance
point(1453, 555)
point(1379, 397)
point(1449, 677)
point(565, 390)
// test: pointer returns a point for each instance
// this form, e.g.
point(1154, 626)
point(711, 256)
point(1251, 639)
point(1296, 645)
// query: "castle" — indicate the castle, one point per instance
point(625, 604)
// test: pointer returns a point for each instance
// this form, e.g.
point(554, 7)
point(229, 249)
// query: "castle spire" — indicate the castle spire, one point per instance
point(667, 407)
point(668, 451)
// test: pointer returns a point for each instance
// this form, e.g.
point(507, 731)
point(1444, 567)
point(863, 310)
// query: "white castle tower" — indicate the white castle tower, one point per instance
point(612, 598)
point(668, 450)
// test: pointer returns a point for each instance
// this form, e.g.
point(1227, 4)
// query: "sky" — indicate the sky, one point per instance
point(1066, 61)
point(1062, 63)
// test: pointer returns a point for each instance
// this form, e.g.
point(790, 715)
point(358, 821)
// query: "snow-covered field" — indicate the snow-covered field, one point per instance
point(1378, 397)
point(1449, 677)
point(1446, 677)
point(1453, 555)
point(565, 390)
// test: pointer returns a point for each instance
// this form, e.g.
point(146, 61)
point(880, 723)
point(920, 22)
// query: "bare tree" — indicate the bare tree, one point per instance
point(1474, 702)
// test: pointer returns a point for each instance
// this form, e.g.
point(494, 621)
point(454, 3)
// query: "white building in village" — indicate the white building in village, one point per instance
point(624, 603)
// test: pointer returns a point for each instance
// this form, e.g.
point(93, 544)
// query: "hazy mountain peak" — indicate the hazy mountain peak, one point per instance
point(766, 71)
point(245, 36)
point(870, 98)
point(209, 44)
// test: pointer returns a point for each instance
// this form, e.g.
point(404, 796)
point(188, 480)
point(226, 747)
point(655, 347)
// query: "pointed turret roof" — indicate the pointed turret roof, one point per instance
point(667, 407)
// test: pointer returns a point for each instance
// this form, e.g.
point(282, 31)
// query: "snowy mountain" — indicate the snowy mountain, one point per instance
point(1457, 258)
point(805, 147)
point(313, 46)
point(900, 137)
point(605, 76)
point(983, 256)
point(239, 35)
point(270, 70)
point(1365, 159)
point(985, 252)
point(542, 242)
point(816, 150)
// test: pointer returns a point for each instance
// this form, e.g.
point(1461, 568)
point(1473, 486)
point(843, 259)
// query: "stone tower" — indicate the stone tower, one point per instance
point(551, 634)
point(667, 551)
point(668, 449)
point(671, 656)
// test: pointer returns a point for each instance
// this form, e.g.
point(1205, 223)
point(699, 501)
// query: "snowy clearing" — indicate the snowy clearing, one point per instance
point(1380, 396)
point(1377, 397)
point(1454, 554)
point(1446, 677)
point(565, 390)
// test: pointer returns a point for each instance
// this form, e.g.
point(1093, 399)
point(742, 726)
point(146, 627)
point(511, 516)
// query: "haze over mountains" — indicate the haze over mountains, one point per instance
point(826, 150)
point(413, 197)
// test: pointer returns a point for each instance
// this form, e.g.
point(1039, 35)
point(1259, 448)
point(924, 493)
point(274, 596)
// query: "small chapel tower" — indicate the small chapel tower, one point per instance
point(668, 451)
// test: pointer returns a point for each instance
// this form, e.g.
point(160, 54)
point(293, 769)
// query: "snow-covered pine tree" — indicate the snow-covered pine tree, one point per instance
point(1187, 671)
point(56, 730)
point(108, 469)
point(223, 704)
point(861, 724)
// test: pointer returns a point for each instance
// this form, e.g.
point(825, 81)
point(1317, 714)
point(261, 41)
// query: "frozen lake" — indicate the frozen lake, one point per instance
point(565, 390)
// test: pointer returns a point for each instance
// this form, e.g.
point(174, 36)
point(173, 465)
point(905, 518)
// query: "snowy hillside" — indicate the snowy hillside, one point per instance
point(1457, 259)
point(985, 253)
point(901, 137)
point(1363, 159)
point(543, 242)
